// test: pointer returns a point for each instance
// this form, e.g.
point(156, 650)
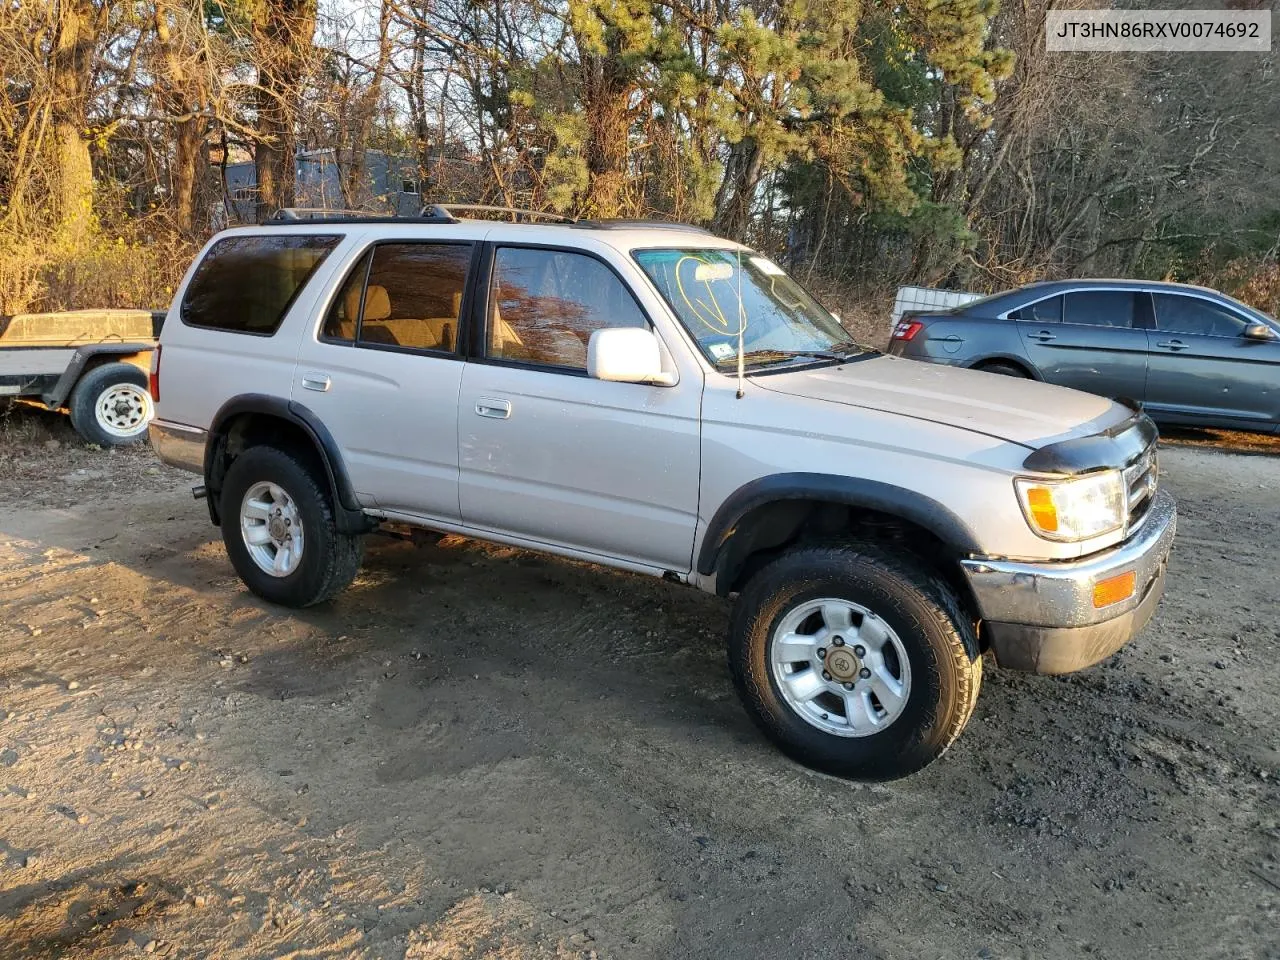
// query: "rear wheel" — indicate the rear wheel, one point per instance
point(854, 661)
point(110, 405)
point(280, 533)
point(1006, 370)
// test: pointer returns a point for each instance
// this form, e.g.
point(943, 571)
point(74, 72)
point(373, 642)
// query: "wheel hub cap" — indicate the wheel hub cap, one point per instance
point(842, 663)
point(272, 529)
point(840, 667)
point(123, 410)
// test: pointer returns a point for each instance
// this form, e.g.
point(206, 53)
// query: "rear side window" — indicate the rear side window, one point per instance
point(1045, 311)
point(412, 297)
point(246, 284)
point(1100, 308)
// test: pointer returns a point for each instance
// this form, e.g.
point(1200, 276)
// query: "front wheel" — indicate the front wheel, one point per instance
point(280, 532)
point(854, 661)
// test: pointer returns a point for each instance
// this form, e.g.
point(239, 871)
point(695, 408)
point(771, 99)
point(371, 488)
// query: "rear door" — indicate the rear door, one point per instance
point(382, 371)
point(1204, 370)
point(1092, 340)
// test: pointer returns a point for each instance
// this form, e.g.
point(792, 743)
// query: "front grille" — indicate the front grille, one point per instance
point(1140, 480)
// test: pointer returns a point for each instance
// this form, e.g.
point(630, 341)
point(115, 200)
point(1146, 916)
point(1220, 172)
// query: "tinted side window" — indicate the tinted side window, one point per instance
point(247, 284)
point(1046, 311)
point(547, 303)
point(344, 313)
point(414, 295)
point(1176, 313)
point(1100, 308)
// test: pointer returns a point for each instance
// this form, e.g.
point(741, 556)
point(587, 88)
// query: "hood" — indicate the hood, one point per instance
point(1027, 412)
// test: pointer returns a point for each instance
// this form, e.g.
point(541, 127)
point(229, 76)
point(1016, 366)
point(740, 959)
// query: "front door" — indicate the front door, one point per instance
point(1100, 344)
point(547, 453)
point(383, 372)
point(1204, 370)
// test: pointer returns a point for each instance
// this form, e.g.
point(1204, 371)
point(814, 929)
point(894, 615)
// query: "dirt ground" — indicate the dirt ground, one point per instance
point(478, 752)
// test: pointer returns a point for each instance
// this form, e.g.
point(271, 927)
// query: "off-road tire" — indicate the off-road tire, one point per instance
point(83, 402)
point(940, 641)
point(330, 559)
point(1005, 370)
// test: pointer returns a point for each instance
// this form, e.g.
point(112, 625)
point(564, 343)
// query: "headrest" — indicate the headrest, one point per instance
point(377, 305)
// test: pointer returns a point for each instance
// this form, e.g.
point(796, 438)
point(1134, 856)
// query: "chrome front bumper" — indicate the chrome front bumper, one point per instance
point(178, 445)
point(1041, 617)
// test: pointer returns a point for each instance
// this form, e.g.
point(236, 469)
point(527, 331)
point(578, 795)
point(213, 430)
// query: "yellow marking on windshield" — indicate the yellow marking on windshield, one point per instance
point(710, 315)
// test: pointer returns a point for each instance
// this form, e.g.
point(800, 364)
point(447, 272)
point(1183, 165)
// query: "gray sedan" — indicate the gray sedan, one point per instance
point(1189, 355)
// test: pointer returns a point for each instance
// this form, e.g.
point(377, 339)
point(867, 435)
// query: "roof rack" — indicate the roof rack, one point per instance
point(445, 213)
point(622, 224)
point(329, 215)
point(447, 209)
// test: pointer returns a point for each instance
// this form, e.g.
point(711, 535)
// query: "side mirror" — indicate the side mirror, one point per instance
point(1259, 331)
point(627, 355)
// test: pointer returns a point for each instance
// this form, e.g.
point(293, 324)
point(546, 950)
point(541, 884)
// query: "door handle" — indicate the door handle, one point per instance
point(319, 382)
point(1044, 336)
point(1174, 345)
point(497, 409)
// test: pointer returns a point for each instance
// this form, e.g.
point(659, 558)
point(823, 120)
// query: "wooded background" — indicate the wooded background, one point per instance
point(864, 144)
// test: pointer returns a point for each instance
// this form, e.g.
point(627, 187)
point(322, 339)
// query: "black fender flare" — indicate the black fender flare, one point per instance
point(351, 517)
point(851, 491)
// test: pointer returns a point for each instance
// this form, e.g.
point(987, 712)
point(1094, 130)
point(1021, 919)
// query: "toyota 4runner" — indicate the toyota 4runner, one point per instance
point(653, 398)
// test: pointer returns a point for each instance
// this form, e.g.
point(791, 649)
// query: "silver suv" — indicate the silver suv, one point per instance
point(654, 398)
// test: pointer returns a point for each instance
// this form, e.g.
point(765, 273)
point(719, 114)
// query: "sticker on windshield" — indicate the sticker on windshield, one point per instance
point(721, 351)
point(767, 267)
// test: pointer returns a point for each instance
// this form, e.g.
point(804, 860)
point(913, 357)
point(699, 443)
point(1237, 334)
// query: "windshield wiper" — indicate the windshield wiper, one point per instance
point(835, 352)
point(760, 356)
point(847, 348)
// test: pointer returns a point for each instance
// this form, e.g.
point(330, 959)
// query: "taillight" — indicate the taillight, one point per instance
point(155, 374)
point(907, 329)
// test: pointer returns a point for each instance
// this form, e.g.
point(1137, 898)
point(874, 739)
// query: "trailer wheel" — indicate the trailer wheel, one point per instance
point(110, 405)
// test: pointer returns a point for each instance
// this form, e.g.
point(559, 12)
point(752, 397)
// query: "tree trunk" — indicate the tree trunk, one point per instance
point(741, 177)
point(189, 162)
point(283, 32)
point(606, 94)
point(179, 96)
point(72, 75)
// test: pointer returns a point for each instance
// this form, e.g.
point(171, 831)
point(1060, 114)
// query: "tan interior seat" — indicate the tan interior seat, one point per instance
point(418, 332)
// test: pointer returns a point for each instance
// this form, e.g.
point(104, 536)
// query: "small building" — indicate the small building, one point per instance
point(389, 183)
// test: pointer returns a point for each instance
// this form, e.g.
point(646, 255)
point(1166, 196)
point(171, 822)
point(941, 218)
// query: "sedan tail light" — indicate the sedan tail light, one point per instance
point(907, 328)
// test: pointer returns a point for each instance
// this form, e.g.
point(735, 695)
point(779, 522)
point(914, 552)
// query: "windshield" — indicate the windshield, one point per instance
point(718, 293)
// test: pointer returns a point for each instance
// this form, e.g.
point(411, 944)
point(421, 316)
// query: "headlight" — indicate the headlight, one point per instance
point(1073, 509)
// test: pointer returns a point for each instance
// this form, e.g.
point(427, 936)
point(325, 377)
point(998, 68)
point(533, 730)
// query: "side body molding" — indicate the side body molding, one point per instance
point(849, 491)
point(350, 516)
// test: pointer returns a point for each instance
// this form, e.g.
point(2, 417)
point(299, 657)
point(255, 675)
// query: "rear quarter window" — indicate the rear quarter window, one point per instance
point(247, 284)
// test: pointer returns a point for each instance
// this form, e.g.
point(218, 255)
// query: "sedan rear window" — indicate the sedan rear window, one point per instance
point(1100, 308)
point(1044, 311)
point(247, 284)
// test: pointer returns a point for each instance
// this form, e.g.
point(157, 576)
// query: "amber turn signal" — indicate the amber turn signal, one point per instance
point(1113, 589)
point(1043, 510)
